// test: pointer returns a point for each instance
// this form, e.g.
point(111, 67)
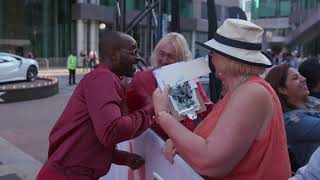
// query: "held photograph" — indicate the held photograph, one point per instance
point(183, 97)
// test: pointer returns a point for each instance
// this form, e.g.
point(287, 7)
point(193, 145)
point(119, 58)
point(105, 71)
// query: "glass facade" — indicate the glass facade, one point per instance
point(312, 47)
point(299, 5)
point(302, 8)
point(204, 11)
point(202, 37)
point(107, 2)
point(188, 36)
point(285, 6)
point(270, 8)
point(283, 32)
point(45, 27)
point(185, 6)
point(263, 8)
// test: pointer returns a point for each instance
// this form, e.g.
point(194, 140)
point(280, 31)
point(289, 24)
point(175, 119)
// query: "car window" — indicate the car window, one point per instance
point(7, 58)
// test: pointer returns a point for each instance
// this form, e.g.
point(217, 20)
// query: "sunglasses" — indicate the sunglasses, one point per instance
point(133, 52)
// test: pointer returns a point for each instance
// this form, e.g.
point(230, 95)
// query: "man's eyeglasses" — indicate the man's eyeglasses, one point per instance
point(133, 52)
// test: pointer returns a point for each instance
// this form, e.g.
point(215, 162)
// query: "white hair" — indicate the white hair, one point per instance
point(178, 42)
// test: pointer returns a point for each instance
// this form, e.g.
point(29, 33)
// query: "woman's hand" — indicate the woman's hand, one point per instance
point(169, 151)
point(160, 100)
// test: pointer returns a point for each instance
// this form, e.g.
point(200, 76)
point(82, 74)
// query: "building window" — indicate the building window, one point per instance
point(187, 35)
point(45, 25)
point(285, 6)
point(202, 37)
point(248, 5)
point(279, 32)
point(186, 8)
point(137, 4)
point(107, 2)
point(204, 11)
point(167, 7)
point(263, 8)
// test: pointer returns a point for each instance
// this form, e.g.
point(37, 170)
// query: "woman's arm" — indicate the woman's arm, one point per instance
point(237, 128)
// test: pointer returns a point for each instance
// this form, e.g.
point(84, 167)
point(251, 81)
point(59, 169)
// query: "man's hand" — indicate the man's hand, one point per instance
point(124, 158)
point(135, 161)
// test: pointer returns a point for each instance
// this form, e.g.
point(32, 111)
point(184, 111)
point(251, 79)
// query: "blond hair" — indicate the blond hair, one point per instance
point(178, 42)
point(233, 67)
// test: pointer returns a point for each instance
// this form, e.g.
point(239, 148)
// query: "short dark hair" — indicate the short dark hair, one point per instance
point(108, 41)
point(310, 69)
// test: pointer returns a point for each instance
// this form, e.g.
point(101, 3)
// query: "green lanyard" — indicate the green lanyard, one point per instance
point(243, 79)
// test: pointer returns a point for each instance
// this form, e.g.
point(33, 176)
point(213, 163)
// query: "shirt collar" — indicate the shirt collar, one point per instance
point(106, 66)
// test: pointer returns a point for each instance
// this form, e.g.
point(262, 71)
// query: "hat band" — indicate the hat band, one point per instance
point(237, 44)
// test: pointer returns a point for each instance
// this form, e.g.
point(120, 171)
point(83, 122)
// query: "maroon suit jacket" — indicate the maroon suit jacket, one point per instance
point(83, 139)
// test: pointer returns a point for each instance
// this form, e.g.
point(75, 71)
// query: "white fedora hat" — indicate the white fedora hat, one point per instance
point(239, 40)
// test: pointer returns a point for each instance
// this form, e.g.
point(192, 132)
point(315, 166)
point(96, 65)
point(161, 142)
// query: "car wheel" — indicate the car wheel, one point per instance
point(32, 73)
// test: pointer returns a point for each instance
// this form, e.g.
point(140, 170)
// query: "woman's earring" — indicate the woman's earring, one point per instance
point(220, 74)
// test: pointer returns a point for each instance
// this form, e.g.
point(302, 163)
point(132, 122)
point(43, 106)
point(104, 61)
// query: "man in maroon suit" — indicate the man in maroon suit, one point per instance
point(83, 140)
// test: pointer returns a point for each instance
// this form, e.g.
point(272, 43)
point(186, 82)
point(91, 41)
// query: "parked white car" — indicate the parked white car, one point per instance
point(16, 68)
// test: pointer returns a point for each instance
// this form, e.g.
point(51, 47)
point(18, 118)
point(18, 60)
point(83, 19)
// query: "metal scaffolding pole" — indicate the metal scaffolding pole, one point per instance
point(149, 33)
point(117, 14)
point(140, 17)
point(215, 84)
point(160, 13)
point(175, 14)
point(123, 8)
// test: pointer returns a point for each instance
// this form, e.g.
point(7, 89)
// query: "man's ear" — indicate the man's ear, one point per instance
point(115, 56)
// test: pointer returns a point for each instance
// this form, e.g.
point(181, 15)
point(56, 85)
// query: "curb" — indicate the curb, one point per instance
point(58, 72)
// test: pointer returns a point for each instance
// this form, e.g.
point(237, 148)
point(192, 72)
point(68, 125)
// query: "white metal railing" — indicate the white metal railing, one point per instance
point(52, 62)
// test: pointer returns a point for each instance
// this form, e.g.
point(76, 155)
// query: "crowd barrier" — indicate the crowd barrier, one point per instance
point(149, 145)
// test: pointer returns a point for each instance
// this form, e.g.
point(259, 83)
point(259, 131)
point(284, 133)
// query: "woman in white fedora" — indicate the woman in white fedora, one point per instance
point(243, 137)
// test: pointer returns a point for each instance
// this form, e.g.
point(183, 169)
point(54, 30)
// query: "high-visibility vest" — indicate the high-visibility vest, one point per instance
point(72, 62)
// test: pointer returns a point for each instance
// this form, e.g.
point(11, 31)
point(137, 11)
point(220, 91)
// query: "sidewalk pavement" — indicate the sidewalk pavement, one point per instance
point(16, 164)
point(59, 72)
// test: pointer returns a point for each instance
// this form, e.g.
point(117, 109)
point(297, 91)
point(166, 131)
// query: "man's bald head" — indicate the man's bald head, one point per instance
point(119, 51)
point(111, 41)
